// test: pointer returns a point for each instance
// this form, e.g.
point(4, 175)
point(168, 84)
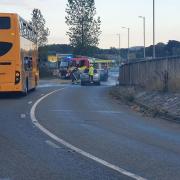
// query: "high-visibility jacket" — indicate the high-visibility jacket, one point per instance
point(91, 71)
point(81, 69)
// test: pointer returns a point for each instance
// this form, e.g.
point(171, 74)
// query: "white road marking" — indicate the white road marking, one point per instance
point(30, 102)
point(23, 116)
point(70, 146)
point(50, 143)
point(108, 112)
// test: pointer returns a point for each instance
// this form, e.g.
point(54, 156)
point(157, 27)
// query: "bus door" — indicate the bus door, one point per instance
point(28, 67)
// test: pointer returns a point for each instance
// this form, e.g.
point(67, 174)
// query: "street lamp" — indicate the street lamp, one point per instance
point(128, 40)
point(119, 35)
point(144, 29)
point(154, 50)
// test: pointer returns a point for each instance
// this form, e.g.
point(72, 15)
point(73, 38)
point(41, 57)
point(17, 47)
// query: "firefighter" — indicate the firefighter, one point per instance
point(91, 73)
point(74, 77)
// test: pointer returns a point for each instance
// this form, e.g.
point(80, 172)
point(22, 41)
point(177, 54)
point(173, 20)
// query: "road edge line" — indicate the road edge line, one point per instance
point(70, 146)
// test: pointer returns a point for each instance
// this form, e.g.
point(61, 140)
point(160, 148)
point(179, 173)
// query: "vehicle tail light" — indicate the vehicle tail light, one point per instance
point(17, 77)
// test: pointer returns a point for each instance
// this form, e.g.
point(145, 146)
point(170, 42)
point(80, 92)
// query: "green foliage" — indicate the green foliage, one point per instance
point(172, 48)
point(38, 22)
point(84, 29)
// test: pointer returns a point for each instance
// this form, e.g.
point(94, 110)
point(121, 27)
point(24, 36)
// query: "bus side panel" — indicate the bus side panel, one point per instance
point(10, 61)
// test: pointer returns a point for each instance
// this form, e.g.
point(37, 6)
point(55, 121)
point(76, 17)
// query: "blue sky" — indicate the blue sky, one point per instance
point(114, 14)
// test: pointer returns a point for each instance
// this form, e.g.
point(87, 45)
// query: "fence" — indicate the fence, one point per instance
point(155, 74)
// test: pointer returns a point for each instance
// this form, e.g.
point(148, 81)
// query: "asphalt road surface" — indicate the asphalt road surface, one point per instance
point(82, 133)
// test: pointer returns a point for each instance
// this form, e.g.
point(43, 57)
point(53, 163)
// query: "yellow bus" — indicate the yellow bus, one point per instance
point(18, 55)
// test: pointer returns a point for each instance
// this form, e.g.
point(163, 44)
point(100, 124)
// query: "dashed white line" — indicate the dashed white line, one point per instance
point(50, 143)
point(70, 146)
point(23, 116)
point(30, 102)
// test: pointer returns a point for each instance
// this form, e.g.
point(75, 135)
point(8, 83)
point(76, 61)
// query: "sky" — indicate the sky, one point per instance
point(114, 14)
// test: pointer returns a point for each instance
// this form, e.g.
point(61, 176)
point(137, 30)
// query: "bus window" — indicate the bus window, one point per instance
point(5, 47)
point(28, 63)
point(5, 23)
point(30, 35)
point(25, 32)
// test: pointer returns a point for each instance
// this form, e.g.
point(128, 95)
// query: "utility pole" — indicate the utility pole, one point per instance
point(128, 29)
point(144, 34)
point(154, 50)
point(119, 35)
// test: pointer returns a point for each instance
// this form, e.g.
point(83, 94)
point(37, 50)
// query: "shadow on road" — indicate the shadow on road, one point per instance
point(13, 95)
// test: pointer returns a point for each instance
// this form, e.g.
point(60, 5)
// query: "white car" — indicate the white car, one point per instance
point(86, 80)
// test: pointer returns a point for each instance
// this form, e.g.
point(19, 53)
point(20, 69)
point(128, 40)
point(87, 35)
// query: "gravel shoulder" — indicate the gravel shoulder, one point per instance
point(150, 103)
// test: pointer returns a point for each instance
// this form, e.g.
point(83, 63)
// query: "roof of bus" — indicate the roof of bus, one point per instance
point(10, 14)
point(16, 15)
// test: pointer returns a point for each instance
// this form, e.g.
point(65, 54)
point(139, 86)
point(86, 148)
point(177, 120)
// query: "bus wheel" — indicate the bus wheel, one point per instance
point(36, 83)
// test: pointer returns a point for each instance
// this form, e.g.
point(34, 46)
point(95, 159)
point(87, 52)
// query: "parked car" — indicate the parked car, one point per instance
point(85, 77)
point(103, 74)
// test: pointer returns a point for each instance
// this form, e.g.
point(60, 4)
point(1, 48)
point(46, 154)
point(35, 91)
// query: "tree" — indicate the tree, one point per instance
point(84, 28)
point(172, 47)
point(38, 22)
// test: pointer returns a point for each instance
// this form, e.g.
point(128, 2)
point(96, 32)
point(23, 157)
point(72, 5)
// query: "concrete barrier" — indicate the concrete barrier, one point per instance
point(157, 74)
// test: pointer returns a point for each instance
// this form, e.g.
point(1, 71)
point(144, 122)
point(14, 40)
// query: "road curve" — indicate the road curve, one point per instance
point(28, 154)
point(87, 118)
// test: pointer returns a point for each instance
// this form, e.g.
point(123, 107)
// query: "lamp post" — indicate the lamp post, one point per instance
point(128, 29)
point(119, 35)
point(144, 34)
point(154, 50)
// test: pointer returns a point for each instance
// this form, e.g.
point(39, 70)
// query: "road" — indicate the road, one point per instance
point(82, 133)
